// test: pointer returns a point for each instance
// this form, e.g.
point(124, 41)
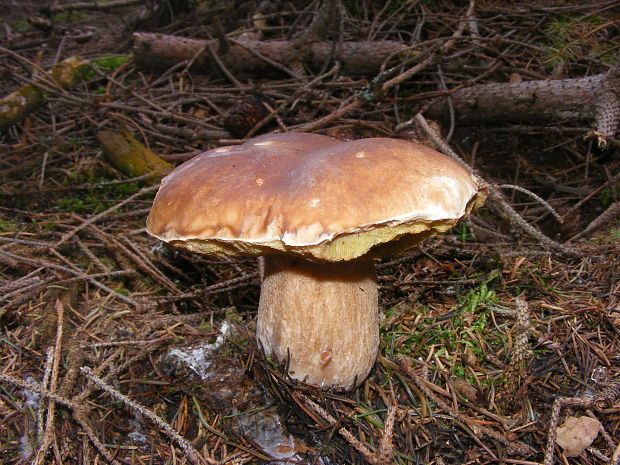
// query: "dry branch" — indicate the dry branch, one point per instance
point(495, 198)
point(610, 214)
point(424, 386)
point(159, 51)
point(192, 454)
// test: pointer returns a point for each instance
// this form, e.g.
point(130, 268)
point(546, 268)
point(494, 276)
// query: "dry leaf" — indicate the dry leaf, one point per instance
point(576, 434)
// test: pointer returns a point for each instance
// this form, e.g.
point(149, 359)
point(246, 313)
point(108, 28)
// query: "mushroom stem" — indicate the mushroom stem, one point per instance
point(321, 318)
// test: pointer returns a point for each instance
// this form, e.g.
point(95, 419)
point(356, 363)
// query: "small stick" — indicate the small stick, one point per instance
point(78, 412)
point(51, 408)
point(542, 201)
point(222, 66)
point(368, 454)
point(609, 182)
point(39, 390)
point(43, 166)
point(612, 212)
point(183, 443)
point(104, 213)
point(82, 275)
point(46, 378)
point(495, 196)
point(423, 385)
point(92, 5)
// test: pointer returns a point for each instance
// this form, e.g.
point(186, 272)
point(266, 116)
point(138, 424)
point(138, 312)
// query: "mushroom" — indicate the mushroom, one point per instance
point(320, 211)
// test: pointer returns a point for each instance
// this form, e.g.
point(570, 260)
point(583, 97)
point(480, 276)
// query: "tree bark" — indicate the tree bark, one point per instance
point(595, 96)
point(159, 51)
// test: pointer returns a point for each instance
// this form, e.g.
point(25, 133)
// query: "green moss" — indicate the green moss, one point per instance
point(69, 16)
point(7, 226)
point(111, 62)
point(463, 233)
point(86, 205)
point(22, 25)
point(571, 38)
point(106, 64)
point(97, 199)
point(465, 329)
point(458, 370)
point(608, 195)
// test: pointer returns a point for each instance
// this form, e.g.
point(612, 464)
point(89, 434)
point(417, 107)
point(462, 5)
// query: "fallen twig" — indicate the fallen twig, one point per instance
point(99, 216)
point(163, 51)
point(94, 5)
point(611, 213)
point(192, 454)
point(382, 455)
point(495, 196)
point(532, 100)
point(48, 436)
point(422, 384)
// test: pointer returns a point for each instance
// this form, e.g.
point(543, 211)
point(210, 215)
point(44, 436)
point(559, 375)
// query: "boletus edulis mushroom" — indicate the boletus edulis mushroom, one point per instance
point(320, 211)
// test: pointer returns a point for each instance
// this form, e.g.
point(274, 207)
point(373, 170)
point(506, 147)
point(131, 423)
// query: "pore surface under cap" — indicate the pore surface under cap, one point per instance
point(310, 194)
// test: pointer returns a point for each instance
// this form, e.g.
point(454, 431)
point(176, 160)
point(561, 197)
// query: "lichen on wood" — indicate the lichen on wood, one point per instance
point(19, 104)
point(128, 155)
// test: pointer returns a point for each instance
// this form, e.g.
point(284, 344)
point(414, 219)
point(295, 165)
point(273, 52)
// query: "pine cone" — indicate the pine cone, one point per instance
point(244, 115)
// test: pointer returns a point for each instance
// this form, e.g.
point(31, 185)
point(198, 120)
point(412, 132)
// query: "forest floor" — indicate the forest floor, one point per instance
point(115, 349)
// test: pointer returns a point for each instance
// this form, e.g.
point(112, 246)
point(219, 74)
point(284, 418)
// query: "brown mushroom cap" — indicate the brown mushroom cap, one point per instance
point(312, 195)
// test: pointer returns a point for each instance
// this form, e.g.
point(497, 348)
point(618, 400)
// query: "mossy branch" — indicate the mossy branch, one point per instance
point(128, 155)
point(16, 106)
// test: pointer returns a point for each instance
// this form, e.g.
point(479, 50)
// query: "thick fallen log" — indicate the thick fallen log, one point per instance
point(159, 51)
point(16, 106)
point(595, 97)
point(92, 5)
